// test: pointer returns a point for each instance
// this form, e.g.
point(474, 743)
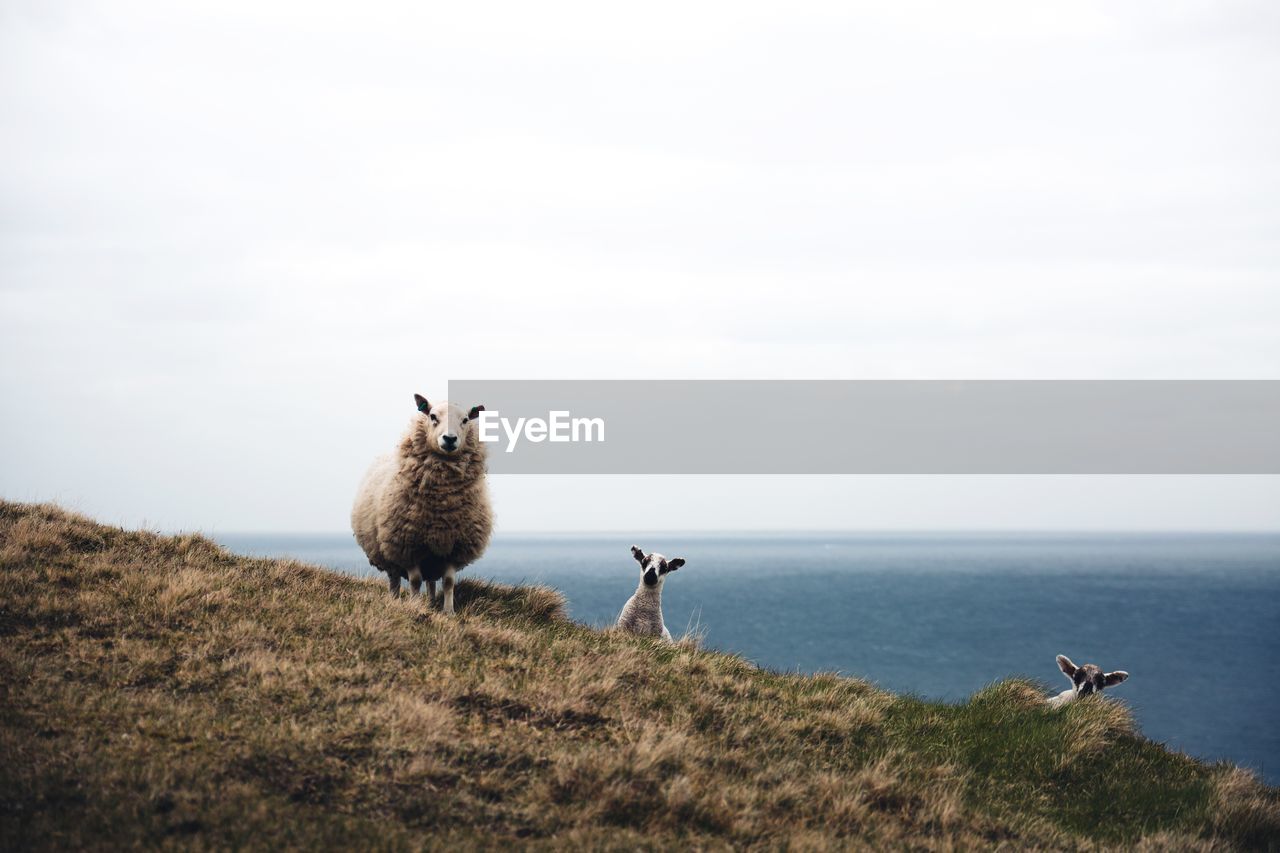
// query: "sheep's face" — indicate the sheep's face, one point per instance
point(654, 567)
point(448, 428)
point(1089, 679)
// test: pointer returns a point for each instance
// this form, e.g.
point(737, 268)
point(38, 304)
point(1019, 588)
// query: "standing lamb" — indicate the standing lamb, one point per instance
point(642, 614)
point(423, 511)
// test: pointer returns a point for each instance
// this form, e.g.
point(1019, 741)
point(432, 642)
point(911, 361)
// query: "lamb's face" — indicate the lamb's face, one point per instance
point(448, 428)
point(654, 567)
point(1089, 679)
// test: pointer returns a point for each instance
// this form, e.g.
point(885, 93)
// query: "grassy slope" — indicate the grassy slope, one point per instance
point(158, 690)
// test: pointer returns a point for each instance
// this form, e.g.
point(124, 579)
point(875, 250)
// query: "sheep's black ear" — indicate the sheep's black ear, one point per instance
point(423, 405)
point(638, 554)
point(1114, 678)
point(1067, 667)
point(672, 565)
point(475, 412)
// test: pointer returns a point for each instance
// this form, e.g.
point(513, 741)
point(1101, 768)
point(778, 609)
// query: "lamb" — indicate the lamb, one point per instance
point(1085, 680)
point(642, 614)
point(423, 511)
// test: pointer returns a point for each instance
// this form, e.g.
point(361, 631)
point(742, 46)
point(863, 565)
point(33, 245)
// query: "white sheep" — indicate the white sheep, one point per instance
point(1085, 681)
point(423, 511)
point(642, 614)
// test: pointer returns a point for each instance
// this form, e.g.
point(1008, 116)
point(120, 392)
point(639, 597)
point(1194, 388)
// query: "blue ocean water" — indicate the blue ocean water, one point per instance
point(1192, 617)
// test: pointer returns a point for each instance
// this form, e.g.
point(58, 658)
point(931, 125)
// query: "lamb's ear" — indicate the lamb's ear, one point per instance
point(638, 554)
point(1067, 667)
point(672, 565)
point(475, 412)
point(1111, 679)
point(423, 405)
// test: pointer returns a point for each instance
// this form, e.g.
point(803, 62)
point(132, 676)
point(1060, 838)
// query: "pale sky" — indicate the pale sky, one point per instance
point(236, 237)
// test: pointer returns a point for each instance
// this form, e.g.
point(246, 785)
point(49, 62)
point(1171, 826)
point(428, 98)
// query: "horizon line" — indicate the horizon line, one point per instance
point(913, 531)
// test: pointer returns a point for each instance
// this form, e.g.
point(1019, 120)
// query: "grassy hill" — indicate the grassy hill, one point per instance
point(156, 690)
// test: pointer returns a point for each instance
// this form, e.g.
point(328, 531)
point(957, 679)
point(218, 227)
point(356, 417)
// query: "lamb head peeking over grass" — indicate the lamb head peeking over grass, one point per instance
point(1085, 681)
point(642, 614)
point(423, 511)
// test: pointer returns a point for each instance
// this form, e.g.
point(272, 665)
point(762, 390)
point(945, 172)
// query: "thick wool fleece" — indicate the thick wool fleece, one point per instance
point(642, 614)
point(418, 508)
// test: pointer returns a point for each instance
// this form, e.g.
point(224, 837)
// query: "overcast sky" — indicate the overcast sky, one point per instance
point(237, 236)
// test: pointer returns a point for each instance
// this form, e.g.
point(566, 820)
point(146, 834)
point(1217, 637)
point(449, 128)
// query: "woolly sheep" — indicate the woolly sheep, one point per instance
point(423, 511)
point(642, 614)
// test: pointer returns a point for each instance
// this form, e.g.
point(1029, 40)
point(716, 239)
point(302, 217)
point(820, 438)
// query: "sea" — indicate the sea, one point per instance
point(1194, 618)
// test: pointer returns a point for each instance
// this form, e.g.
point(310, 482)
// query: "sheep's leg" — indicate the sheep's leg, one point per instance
point(393, 583)
point(448, 588)
point(415, 581)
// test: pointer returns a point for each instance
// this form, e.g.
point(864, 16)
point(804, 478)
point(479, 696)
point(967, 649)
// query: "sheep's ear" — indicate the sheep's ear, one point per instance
point(1111, 679)
point(1067, 667)
point(672, 565)
point(475, 412)
point(423, 405)
point(638, 554)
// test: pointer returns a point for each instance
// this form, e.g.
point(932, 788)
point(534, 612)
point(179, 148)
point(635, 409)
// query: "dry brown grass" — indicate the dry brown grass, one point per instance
point(158, 691)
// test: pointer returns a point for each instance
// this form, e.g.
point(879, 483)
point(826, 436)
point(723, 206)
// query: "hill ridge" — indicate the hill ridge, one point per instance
point(160, 690)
